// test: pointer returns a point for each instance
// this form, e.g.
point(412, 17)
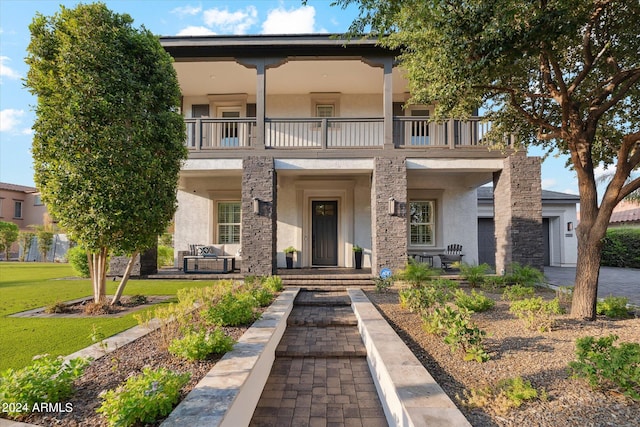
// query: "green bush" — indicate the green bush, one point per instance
point(517, 292)
point(273, 283)
point(536, 312)
point(233, 309)
point(198, 345)
point(509, 393)
point(382, 284)
point(621, 248)
point(263, 296)
point(606, 366)
point(417, 273)
point(423, 298)
point(77, 257)
point(143, 398)
point(614, 307)
point(524, 275)
point(47, 380)
point(476, 302)
point(474, 274)
point(165, 256)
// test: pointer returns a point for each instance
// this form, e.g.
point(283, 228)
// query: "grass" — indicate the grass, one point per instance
point(25, 286)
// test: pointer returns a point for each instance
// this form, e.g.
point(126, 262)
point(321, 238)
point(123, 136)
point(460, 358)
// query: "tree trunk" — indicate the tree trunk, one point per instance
point(125, 278)
point(98, 272)
point(585, 292)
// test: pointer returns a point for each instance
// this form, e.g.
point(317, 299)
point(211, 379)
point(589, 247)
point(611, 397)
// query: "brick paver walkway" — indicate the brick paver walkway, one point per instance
point(320, 376)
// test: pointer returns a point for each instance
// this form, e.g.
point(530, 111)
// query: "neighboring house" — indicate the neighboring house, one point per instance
point(22, 206)
point(625, 215)
point(304, 141)
point(559, 219)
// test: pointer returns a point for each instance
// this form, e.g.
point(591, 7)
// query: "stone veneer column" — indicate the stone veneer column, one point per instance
point(258, 229)
point(389, 232)
point(518, 212)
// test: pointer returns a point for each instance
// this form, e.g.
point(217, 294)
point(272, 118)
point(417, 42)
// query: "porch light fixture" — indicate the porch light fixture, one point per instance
point(256, 205)
point(392, 206)
point(570, 226)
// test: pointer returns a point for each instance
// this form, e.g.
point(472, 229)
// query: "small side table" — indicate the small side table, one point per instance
point(426, 258)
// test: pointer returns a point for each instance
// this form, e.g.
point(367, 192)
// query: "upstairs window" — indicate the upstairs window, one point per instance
point(17, 209)
point(421, 223)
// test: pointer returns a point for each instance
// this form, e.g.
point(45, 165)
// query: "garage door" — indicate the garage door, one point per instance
point(486, 241)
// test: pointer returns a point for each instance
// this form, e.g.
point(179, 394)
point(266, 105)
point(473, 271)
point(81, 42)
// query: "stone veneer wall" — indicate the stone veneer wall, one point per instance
point(258, 230)
point(145, 264)
point(389, 232)
point(518, 212)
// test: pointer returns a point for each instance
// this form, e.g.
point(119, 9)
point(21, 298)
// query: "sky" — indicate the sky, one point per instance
point(168, 18)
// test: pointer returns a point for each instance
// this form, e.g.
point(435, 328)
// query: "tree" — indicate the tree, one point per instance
point(25, 239)
point(108, 140)
point(561, 74)
point(8, 234)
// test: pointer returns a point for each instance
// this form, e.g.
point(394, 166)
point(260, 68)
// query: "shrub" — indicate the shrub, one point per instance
point(476, 302)
point(604, 365)
point(614, 307)
point(492, 283)
point(564, 295)
point(198, 345)
point(143, 398)
point(77, 257)
point(97, 308)
point(47, 380)
point(474, 274)
point(417, 273)
point(57, 307)
point(524, 275)
point(263, 296)
point(517, 292)
point(621, 248)
point(233, 309)
point(507, 394)
point(136, 300)
point(273, 283)
point(536, 313)
point(421, 299)
point(382, 284)
point(165, 256)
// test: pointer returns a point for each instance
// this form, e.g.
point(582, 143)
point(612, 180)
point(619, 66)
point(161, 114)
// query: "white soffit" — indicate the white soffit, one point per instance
point(489, 165)
point(324, 164)
point(212, 164)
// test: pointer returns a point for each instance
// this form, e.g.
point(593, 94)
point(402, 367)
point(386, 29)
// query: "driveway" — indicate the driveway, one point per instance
point(620, 282)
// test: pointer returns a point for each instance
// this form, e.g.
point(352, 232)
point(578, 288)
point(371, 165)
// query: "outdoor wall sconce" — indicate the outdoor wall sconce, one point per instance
point(256, 205)
point(392, 206)
point(570, 226)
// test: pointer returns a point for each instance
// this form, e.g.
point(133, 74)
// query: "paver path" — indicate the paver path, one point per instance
point(320, 376)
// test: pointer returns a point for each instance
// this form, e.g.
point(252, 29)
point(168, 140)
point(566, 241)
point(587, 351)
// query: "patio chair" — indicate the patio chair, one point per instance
point(451, 255)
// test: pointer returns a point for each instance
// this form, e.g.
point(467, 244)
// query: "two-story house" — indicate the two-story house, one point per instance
point(306, 141)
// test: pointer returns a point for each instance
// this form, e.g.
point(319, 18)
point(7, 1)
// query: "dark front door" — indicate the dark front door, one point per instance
point(486, 241)
point(545, 241)
point(324, 225)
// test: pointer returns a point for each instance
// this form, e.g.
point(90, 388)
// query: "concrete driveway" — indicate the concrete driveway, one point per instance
point(620, 282)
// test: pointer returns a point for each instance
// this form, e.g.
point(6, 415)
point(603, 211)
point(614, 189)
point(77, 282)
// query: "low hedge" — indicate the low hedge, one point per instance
point(621, 248)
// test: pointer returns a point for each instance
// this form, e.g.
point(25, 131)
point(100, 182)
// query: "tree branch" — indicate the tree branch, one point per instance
point(598, 112)
point(629, 188)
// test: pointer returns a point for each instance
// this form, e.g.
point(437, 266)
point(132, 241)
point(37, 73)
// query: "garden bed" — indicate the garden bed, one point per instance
point(540, 358)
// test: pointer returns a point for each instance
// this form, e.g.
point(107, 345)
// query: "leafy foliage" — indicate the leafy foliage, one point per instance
point(474, 274)
point(536, 313)
point(505, 395)
point(417, 273)
point(233, 309)
point(614, 307)
point(517, 292)
point(605, 365)
point(273, 283)
point(8, 234)
point(198, 345)
point(165, 256)
point(143, 398)
point(25, 240)
point(77, 257)
point(107, 138)
point(524, 275)
point(476, 302)
point(382, 284)
point(621, 248)
point(48, 379)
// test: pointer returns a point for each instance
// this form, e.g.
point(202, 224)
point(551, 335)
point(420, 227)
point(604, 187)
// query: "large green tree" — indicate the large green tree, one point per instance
point(562, 74)
point(108, 141)
point(8, 235)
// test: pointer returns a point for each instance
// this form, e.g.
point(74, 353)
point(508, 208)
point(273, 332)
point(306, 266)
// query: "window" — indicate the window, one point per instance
point(37, 200)
point(229, 136)
point(17, 210)
point(229, 219)
point(421, 223)
point(325, 110)
point(1, 215)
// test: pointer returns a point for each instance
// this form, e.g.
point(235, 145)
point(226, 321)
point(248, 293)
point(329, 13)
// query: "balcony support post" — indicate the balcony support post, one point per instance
point(387, 99)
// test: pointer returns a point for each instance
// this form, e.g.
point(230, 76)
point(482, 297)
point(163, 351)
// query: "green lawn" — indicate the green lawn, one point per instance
point(24, 286)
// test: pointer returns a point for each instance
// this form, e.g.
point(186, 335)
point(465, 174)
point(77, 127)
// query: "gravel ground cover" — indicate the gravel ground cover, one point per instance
point(540, 358)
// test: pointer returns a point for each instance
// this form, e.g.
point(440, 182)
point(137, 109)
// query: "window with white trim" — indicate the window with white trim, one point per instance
point(422, 223)
point(229, 220)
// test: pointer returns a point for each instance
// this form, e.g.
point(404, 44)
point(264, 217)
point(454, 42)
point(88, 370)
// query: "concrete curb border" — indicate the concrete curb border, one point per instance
point(229, 393)
point(409, 394)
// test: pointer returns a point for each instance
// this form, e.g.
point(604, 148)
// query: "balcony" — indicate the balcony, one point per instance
point(207, 134)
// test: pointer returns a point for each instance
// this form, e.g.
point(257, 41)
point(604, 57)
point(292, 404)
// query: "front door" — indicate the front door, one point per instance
point(324, 239)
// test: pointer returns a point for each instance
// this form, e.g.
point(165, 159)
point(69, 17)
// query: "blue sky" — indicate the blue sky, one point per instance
point(168, 18)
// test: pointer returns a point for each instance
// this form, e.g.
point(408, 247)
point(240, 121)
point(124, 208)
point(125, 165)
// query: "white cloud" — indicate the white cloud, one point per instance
point(6, 71)
point(237, 22)
point(548, 183)
point(282, 21)
point(195, 31)
point(187, 10)
point(9, 119)
point(27, 131)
